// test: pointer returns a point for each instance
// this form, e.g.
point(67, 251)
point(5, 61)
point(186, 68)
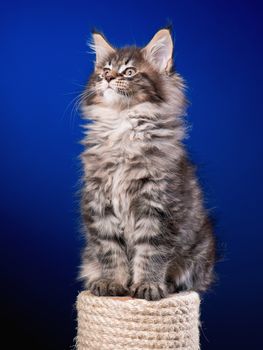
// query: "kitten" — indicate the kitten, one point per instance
point(147, 231)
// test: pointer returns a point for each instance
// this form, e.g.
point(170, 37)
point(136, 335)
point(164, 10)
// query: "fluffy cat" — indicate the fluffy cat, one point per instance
point(148, 233)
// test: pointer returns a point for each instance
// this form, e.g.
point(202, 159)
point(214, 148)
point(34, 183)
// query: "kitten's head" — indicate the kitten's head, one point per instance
point(130, 75)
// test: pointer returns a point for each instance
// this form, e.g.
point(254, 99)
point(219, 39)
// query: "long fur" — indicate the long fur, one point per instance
point(147, 230)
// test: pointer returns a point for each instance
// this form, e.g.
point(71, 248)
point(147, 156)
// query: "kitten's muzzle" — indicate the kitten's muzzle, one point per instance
point(118, 85)
point(109, 77)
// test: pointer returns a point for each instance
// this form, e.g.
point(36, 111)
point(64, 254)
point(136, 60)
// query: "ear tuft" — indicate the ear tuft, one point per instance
point(169, 26)
point(159, 51)
point(100, 46)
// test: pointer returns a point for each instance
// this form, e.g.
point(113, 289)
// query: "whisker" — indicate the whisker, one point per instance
point(75, 103)
point(78, 102)
point(72, 92)
point(78, 84)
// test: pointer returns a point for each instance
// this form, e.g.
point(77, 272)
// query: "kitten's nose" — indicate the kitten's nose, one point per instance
point(109, 77)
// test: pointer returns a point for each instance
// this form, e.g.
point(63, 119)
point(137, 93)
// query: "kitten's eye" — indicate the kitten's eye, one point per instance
point(106, 71)
point(129, 72)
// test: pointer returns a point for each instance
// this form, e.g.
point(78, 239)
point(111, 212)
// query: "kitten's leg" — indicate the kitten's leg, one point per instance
point(151, 257)
point(105, 268)
point(194, 270)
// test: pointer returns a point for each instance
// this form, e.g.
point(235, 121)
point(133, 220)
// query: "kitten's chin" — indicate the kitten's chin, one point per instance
point(112, 97)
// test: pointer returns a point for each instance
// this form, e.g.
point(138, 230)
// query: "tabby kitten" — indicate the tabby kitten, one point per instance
point(147, 231)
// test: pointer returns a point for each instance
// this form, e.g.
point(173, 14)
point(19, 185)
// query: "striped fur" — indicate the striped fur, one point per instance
point(146, 227)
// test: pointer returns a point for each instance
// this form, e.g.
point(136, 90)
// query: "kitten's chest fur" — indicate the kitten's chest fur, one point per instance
point(116, 158)
point(121, 150)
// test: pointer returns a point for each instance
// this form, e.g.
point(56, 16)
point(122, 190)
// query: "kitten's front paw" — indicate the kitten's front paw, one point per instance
point(148, 291)
point(103, 287)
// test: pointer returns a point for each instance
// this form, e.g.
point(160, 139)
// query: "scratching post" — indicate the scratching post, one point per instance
point(124, 323)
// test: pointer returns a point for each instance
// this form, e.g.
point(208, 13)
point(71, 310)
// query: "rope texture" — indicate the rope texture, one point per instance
point(109, 323)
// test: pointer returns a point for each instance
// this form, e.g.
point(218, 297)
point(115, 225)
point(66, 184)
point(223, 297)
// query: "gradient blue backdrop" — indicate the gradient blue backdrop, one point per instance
point(44, 65)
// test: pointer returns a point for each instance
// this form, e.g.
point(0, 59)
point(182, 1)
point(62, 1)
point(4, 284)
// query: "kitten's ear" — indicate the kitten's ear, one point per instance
point(100, 46)
point(159, 51)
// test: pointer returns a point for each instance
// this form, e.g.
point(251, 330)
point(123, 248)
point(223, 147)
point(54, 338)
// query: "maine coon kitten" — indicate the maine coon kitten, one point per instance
point(147, 231)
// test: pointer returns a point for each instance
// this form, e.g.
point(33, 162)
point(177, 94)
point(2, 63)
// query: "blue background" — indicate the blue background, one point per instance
point(44, 64)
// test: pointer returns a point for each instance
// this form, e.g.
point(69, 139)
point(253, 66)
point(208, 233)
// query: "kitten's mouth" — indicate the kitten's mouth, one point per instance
point(118, 91)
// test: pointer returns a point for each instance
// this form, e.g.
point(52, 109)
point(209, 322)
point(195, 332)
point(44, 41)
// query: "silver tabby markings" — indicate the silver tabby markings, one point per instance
point(147, 230)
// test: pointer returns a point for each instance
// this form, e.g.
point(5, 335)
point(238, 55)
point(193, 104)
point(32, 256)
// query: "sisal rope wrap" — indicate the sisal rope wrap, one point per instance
point(124, 323)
